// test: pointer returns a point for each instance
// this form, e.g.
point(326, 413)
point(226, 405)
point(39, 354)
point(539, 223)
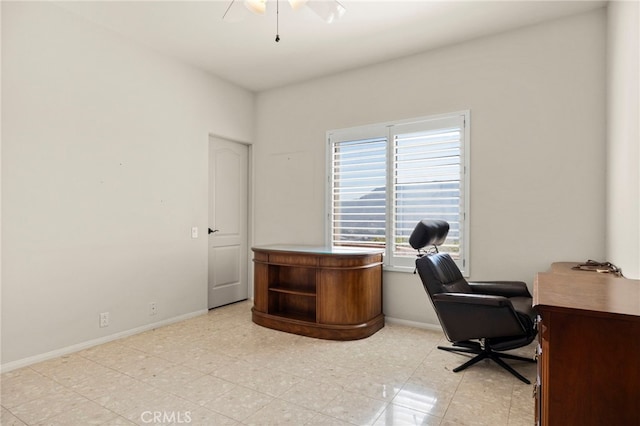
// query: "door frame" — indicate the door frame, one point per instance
point(250, 203)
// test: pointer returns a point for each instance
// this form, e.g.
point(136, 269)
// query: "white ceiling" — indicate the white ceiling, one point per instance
point(246, 53)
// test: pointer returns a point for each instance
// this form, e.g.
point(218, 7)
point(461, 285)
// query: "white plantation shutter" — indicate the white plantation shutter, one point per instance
point(358, 192)
point(384, 179)
point(427, 181)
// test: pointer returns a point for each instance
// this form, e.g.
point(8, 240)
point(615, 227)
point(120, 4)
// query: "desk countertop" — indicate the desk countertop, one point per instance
point(562, 287)
point(320, 250)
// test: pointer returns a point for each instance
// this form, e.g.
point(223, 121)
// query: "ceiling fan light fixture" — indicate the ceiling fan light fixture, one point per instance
point(258, 7)
point(327, 10)
point(297, 4)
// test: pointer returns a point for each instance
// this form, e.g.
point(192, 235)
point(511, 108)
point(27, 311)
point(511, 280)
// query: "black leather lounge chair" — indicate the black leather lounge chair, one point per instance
point(480, 318)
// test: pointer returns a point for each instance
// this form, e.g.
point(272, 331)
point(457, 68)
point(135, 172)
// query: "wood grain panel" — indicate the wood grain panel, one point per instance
point(349, 261)
point(261, 286)
point(349, 296)
point(293, 259)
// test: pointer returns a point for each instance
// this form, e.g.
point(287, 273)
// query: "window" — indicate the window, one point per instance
point(385, 178)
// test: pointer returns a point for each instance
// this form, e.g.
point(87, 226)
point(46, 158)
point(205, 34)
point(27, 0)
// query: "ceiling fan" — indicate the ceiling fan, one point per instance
point(328, 10)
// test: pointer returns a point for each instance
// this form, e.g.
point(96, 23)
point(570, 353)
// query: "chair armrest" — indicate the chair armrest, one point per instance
point(473, 299)
point(501, 288)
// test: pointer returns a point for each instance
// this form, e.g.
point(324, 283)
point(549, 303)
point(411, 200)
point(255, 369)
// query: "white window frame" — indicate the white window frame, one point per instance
point(388, 130)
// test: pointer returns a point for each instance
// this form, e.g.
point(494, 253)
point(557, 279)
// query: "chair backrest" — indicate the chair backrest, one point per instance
point(440, 274)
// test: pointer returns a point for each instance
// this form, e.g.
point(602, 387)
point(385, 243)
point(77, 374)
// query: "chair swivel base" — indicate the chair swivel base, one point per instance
point(484, 353)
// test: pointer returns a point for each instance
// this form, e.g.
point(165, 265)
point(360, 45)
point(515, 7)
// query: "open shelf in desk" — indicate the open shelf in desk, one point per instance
point(292, 304)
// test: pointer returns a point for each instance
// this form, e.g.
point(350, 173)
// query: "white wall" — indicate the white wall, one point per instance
point(104, 164)
point(623, 136)
point(537, 101)
point(104, 172)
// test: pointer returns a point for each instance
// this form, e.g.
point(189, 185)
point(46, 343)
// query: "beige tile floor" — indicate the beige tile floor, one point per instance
point(221, 369)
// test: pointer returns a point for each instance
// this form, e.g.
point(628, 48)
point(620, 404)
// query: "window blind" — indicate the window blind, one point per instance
point(359, 192)
point(385, 178)
point(427, 180)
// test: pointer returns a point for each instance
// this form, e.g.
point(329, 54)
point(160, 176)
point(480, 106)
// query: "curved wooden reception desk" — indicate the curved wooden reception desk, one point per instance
point(325, 292)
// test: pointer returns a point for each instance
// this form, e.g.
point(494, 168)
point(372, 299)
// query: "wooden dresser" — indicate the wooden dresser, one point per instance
point(325, 292)
point(589, 348)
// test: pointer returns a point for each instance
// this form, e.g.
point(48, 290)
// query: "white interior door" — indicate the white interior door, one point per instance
point(228, 217)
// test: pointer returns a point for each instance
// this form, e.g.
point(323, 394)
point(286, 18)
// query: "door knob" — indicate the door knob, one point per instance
point(211, 231)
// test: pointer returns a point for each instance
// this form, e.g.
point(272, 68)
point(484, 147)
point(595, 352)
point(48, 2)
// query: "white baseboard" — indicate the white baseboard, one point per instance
point(94, 342)
point(424, 325)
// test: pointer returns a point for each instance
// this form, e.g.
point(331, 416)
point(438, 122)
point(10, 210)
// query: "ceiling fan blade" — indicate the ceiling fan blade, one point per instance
point(329, 11)
point(236, 12)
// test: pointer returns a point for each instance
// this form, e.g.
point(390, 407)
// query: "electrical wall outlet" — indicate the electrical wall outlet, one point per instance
point(104, 319)
point(153, 308)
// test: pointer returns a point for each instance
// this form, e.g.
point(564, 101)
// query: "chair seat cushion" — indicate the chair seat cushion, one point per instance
point(512, 342)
